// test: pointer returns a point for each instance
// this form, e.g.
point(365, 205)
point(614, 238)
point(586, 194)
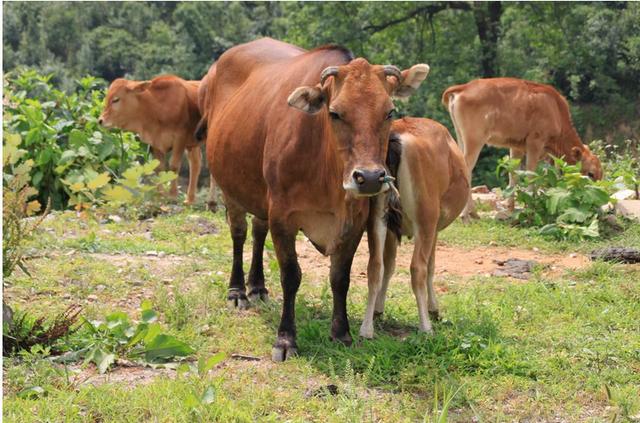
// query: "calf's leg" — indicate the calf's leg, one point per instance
point(194, 156)
point(174, 166)
point(471, 154)
point(390, 250)
point(376, 234)
point(424, 243)
point(434, 312)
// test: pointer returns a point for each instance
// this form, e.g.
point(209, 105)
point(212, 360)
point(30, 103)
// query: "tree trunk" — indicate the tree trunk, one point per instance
point(487, 17)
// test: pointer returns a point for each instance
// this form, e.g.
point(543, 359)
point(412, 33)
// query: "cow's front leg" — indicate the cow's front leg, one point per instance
point(257, 290)
point(340, 278)
point(174, 166)
point(238, 223)
point(195, 164)
point(284, 242)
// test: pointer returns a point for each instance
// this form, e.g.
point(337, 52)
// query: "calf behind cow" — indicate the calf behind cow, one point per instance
point(432, 180)
point(528, 118)
point(164, 113)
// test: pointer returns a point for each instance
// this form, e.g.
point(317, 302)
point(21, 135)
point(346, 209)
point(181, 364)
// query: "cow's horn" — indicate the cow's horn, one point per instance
point(391, 70)
point(327, 72)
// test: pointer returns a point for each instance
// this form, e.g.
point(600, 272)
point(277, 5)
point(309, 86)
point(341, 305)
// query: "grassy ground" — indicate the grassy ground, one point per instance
point(558, 347)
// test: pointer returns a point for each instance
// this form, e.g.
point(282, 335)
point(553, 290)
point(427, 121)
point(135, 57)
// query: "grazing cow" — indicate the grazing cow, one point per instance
point(164, 113)
point(432, 180)
point(528, 118)
point(310, 169)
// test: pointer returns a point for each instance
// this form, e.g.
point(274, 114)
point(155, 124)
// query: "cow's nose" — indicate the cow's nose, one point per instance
point(369, 181)
point(100, 120)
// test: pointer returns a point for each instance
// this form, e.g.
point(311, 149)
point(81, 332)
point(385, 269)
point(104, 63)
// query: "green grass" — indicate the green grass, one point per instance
point(564, 347)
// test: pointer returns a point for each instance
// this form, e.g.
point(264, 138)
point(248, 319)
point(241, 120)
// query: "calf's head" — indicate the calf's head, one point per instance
point(591, 165)
point(356, 100)
point(122, 104)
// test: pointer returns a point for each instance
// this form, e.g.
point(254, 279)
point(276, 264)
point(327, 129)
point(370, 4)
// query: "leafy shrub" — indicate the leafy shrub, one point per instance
point(621, 164)
point(61, 133)
point(16, 195)
point(102, 342)
point(139, 188)
point(558, 199)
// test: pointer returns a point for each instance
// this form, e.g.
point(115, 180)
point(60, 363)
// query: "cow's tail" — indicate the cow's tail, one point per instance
point(200, 133)
point(448, 100)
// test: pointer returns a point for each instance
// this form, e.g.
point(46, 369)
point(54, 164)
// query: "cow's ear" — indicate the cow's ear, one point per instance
point(142, 86)
point(411, 80)
point(576, 152)
point(307, 99)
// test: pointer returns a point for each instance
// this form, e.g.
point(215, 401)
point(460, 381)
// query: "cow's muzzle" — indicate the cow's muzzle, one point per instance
point(367, 181)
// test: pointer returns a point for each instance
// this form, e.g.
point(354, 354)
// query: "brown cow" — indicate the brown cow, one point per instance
point(164, 113)
point(528, 118)
point(310, 169)
point(431, 176)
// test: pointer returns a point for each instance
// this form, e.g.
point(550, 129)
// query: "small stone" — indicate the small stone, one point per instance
point(573, 255)
point(535, 249)
point(100, 287)
point(493, 243)
point(219, 273)
point(148, 235)
point(161, 254)
point(115, 218)
point(151, 253)
point(66, 296)
point(92, 297)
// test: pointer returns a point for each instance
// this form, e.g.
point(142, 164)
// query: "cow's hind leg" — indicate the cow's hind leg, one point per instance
point(257, 290)
point(284, 241)
point(434, 312)
point(195, 164)
point(424, 243)
point(236, 217)
point(471, 154)
point(212, 202)
point(174, 166)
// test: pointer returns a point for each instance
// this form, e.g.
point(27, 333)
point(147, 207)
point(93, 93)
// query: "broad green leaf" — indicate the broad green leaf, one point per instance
point(573, 214)
point(150, 167)
point(204, 365)
point(76, 186)
point(31, 392)
point(66, 156)
point(149, 316)
point(100, 181)
point(208, 396)
point(103, 360)
point(117, 194)
point(133, 173)
point(165, 347)
point(146, 305)
point(77, 138)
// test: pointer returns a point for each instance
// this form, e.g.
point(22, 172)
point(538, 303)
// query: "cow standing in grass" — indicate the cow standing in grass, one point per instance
point(432, 180)
point(310, 169)
point(528, 118)
point(164, 113)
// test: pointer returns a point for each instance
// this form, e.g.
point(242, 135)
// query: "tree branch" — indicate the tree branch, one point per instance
point(429, 10)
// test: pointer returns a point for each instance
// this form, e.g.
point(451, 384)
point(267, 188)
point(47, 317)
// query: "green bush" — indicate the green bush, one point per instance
point(61, 134)
point(558, 199)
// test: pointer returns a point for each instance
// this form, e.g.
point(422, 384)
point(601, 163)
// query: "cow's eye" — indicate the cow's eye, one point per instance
point(115, 99)
point(334, 115)
point(391, 114)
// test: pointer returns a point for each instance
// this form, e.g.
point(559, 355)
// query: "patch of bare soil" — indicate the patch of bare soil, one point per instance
point(129, 375)
point(453, 261)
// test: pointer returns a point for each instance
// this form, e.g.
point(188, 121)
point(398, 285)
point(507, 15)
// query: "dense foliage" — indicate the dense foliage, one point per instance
point(559, 200)
point(589, 51)
point(60, 134)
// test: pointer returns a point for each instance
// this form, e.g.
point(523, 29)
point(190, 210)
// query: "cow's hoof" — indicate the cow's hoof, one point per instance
point(237, 299)
point(188, 202)
point(428, 330)
point(259, 294)
point(434, 315)
point(212, 206)
point(343, 339)
point(366, 332)
point(284, 348)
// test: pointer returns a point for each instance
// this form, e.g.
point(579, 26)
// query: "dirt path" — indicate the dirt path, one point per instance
point(455, 261)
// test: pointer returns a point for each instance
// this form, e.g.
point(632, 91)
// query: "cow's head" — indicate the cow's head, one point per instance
point(122, 104)
point(356, 100)
point(591, 165)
